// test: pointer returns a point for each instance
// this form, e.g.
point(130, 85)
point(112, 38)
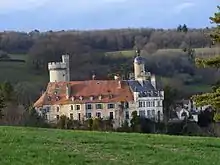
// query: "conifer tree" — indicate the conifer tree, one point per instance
point(212, 98)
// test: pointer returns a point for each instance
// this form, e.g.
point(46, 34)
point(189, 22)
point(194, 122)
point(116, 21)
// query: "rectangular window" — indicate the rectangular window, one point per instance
point(127, 115)
point(153, 103)
point(148, 113)
point(89, 115)
point(158, 103)
point(79, 116)
point(140, 104)
point(153, 113)
point(144, 104)
point(71, 107)
point(58, 117)
point(111, 115)
point(111, 106)
point(126, 105)
point(71, 116)
point(148, 104)
point(99, 106)
point(142, 113)
point(98, 114)
point(58, 109)
point(77, 107)
point(89, 106)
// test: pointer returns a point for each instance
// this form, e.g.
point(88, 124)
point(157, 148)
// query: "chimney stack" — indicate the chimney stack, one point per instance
point(153, 81)
point(93, 77)
point(119, 84)
point(68, 91)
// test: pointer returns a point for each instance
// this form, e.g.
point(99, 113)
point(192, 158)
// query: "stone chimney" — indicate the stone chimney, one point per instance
point(119, 84)
point(93, 77)
point(68, 91)
point(153, 81)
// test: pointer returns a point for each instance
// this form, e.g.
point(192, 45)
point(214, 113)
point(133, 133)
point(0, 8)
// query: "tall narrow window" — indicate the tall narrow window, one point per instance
point(58, 109)
point(89, 115)
point(148, 113)
point(71, 107)
point(98, 114)
point(111, 115)
point(58, 117)
point(153, 103)
point(79, 116)
point(153, 113)
point(127, 115)
point(77, 107)
point(99, 106)
point(71, 116)
point(142, 114)
point(111, 106)
point(140, 104)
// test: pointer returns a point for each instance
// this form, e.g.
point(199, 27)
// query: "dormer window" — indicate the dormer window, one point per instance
point(57, 98)
point(81, 98)
point(72, 98)
point(111, 96)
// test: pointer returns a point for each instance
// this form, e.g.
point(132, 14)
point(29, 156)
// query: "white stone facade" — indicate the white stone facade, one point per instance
point(59, 71)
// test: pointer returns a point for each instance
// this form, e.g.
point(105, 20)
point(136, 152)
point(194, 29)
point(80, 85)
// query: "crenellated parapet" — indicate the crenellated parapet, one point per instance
point(57, 66)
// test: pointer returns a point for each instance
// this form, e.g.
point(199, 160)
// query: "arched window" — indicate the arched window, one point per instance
point(58, 109)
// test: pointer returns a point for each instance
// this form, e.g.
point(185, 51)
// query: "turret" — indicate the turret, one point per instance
point(66, 60)
point(139, 67)
point(59, 71)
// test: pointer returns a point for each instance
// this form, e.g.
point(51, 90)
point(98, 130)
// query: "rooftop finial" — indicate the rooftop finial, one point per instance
point(138, 52)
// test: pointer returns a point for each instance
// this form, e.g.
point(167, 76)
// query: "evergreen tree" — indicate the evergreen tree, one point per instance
point(212, 98)
point(184, 28)
point(2, 106)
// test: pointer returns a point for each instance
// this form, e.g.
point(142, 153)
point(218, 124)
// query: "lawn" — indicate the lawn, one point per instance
point(199, 51)
point(31, 146)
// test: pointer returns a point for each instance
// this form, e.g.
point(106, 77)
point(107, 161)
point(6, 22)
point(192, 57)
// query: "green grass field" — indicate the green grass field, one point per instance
point(31, 146)
point(199, 51)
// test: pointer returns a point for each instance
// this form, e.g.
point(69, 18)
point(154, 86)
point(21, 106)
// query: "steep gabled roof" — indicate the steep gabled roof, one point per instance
point(82, 91)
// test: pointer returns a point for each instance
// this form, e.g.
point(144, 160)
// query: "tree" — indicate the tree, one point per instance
point(212, 98)
point(2, 106)
point(170, 97)
point(184, 28)
point(150, 47)
point(135, 122)
point(179, 28)
point(6, 90)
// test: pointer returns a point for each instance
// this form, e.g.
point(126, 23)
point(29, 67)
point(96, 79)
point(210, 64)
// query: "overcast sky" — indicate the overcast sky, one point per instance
point(26, 15)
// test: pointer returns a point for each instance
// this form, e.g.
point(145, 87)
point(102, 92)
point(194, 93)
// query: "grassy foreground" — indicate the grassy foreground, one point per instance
point(30, 146)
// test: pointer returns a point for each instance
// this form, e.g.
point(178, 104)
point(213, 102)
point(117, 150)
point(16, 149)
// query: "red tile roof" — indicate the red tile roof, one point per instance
point(109, 90)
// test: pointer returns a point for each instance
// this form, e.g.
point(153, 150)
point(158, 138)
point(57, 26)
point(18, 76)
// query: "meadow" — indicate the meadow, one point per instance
point(33, 146)
point(199, 52)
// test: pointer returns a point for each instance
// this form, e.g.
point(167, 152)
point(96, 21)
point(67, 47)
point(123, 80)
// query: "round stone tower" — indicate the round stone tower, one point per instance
point(59, 71)
point(139, 67)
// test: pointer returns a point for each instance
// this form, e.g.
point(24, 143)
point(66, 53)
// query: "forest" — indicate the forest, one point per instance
point(24, 56)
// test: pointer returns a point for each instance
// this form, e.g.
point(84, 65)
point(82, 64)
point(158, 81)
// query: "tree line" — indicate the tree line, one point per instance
point(107, 40)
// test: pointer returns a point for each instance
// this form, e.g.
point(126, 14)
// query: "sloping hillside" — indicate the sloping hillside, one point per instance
point(20, 146)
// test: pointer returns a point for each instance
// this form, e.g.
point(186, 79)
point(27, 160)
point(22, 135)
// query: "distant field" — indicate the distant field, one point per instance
point(32, 146)
point(199, 51)
point(18, 56)
point(18, 71)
